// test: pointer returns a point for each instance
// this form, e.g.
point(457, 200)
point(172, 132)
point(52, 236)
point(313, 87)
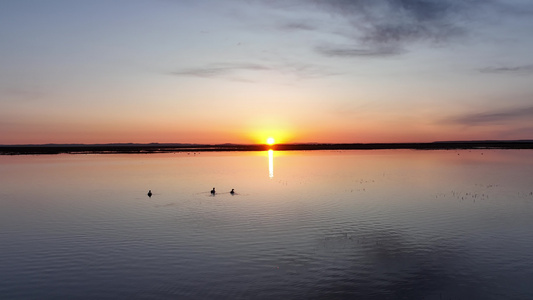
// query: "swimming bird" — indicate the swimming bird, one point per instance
point(213, 191)
point(149, 193)
point(232, 191)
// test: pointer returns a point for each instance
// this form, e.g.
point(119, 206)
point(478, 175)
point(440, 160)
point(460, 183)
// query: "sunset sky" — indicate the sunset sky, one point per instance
point(236, 71)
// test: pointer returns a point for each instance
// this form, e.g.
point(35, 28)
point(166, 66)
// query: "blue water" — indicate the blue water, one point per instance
point(318, 224)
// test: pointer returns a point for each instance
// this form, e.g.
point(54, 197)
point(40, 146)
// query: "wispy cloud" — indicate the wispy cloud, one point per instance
point(524, 69)
point(220, 69)
point(396, 21)
point(353, 52)
point(387, 27)
point(232, 71)
point(305, 71)
point(300, 25)
point(495, 117)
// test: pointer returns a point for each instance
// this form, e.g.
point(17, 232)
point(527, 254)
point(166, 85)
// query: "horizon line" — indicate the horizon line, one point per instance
point(260, 144)
point(131, 148)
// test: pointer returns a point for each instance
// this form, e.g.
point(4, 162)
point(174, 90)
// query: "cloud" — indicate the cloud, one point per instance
point(378, 28)
point(220, 69)
point(233, 70)
point(297, 26)
point(387, 27)
point(353, 52)
point(305, 71)
point(495, 117)
point(524, 69)
point(397, 21)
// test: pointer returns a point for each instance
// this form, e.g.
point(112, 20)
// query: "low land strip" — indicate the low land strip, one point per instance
point(168, 148)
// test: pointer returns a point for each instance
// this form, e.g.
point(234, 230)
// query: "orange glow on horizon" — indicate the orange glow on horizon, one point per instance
point(270, 136)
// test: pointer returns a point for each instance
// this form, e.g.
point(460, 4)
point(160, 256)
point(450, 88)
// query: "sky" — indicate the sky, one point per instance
point(239, 71)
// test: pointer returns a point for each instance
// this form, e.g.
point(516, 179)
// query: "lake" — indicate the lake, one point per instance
point(386, 224)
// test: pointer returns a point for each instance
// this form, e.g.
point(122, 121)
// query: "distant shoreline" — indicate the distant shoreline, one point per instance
point(170, 148)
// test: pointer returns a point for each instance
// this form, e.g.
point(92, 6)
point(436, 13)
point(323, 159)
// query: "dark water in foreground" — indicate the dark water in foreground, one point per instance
point(314, 225)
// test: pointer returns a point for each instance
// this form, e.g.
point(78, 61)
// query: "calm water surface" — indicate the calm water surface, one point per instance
point(318, 224)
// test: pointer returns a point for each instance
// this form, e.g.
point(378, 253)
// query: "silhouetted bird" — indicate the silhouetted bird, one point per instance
point(150, 193)
point(213, 191)
point(232, 191)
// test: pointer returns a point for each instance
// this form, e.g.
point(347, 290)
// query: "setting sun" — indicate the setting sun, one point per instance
point(270, 141)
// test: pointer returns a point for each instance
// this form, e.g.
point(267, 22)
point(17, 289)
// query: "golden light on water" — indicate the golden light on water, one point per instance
point(271, 163)
point(270, 141)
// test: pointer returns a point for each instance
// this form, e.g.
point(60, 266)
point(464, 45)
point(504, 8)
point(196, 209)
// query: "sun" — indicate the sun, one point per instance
point(270, 141)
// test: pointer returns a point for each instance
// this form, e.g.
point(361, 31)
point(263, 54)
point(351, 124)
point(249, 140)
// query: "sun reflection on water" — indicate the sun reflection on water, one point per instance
point(271, 163)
